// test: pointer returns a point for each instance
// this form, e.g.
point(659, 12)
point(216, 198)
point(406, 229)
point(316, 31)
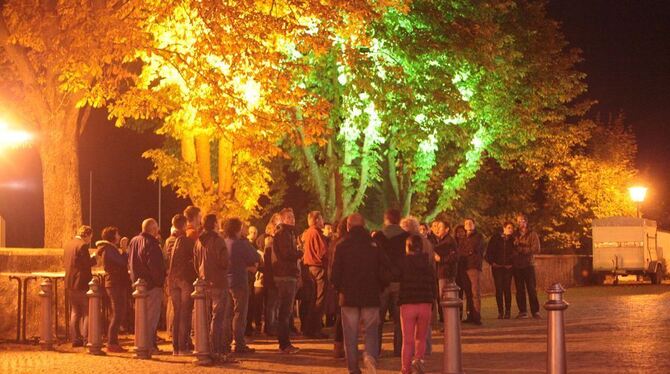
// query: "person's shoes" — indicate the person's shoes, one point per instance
point(370, 364)
point(522, 316)
point(156, 351)
point(507, 315)
point(115, 348)
point(418, 367)
point(338, 350)
point(77, 344)
point(244, 349)
point(184, 353)
point(537, 316)
point(291, 349)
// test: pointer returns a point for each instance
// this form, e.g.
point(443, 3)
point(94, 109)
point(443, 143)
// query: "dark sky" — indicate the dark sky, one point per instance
point(625, 44)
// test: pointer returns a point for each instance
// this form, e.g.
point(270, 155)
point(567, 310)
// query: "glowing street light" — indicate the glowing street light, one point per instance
point(10, 138)
point(637, 194)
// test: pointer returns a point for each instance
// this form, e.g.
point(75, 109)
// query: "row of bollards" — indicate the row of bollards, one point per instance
point(555, 306)
point(143, 337)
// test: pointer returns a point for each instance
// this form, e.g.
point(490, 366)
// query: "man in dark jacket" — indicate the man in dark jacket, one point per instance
point(357, 276)
point(181, 275)
point(211, 260)
point(527, 245)
point(117, 283)
point(499, 254)
point(471, 252)
point(146, 262)
point(78, 262)
point(316, 261)
point(391, 241)
point(285, 272)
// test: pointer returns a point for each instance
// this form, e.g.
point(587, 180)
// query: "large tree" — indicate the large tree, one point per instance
point(436, 91)
point(57, 60)
point(222, 79)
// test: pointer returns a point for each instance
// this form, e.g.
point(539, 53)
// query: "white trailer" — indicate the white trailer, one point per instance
point(629, 246)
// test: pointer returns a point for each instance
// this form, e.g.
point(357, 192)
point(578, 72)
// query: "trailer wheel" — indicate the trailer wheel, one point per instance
point(657, 277)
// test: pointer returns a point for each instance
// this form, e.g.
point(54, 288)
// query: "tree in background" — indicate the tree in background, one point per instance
point(570, 177)
point(436, 91)
point(58, 59)
point(223, 81)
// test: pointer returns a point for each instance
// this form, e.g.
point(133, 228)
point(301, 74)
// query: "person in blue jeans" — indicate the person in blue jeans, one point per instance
point(284, 269)
point(243, 259)
point(357, 277)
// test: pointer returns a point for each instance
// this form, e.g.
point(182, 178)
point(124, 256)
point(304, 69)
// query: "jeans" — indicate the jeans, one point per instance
point(271, 310)
point(352, 317)
point(118, 300)
point(474, 293)
point(78, 315)
point(154, 307)
point(315, 318)
point(235, 317)
point(218, 298)
point(286, 288)
point(502, 277)
point(524, 280)
point(415, 319)
point(182, 305)
point(389, 302)
point(255, 317)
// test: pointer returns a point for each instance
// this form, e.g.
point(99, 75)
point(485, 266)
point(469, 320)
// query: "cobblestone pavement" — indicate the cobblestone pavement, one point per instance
point(623, 329)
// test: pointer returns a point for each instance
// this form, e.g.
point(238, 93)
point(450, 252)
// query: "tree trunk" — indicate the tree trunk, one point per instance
point(225, 168)
point(204, 158)
point(60, 177)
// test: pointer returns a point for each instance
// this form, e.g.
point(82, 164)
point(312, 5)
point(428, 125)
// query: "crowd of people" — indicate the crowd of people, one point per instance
point(342, 275)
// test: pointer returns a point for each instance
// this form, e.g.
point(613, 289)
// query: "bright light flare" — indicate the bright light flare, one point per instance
point(10, 138)
point(637, 193)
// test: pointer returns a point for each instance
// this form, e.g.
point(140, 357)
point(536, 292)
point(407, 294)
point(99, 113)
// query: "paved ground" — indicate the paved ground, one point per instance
point(623, 329)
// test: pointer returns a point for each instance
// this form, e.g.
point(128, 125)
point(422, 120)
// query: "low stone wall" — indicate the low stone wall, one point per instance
point(569, 270)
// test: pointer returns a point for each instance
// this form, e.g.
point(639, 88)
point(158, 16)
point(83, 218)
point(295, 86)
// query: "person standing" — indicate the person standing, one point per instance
point(527, 245)
point(284, 258)
point(266, 240)
point(243, 259)
point(78, 262)
point(145, 258)
point(471, 250)
point(210, 257)
point(499, 254)
point(391, 241)
point(357, 276)
point(316, 260)
point(446, 258)
point(117, 282)
point(417, 293)
point(194, 222)
point(252, 235)
point(181, 275)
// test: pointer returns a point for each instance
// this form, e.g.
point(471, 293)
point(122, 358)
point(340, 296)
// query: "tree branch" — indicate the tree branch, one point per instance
point(314, 169)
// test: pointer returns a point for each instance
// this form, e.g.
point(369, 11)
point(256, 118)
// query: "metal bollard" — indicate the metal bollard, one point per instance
point(202, 354)
point(94, 338)
point(143, 346)
point(451, 304)
point(555, 306)
point(46, 323)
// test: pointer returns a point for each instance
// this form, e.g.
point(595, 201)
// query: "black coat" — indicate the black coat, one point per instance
point(357, 270)
point(145, 259)
point(285, 254)
point(500, 250)
point(78, 263)
point(447, 249)
point(391, 241)
point(417, 280)
point(471, 251)
point(180, 260)
point(115, 264)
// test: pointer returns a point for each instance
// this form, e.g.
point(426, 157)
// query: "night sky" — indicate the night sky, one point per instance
point(626, 50)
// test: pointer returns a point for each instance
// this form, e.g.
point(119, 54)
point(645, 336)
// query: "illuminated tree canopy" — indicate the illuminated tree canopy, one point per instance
point(437, 90)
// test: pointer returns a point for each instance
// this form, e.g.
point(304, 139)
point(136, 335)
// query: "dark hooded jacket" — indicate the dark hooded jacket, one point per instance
point(391, 240)
point(500, 250)
point(115, 264)
point(210, 258)
point(285, 254)
point(146, 260)
point(78, 263)
point(417, 280)
point(471, 251)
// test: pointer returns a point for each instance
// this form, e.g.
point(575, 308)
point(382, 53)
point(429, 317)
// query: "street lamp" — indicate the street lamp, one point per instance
point(10, 138)
point(637, 194)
